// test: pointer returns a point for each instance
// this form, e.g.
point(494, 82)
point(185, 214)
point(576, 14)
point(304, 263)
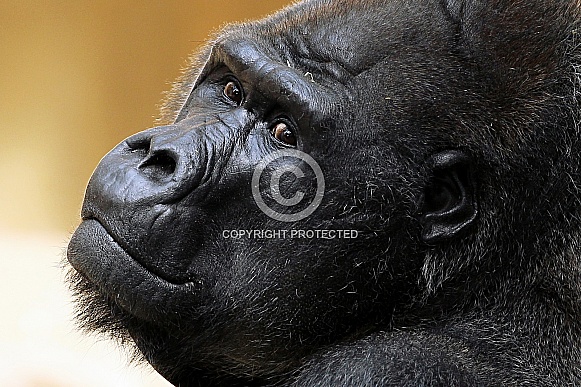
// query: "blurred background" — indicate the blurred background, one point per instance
point(76, 78)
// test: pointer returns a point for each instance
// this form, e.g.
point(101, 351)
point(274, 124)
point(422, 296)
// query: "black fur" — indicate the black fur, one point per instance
point(448, 136)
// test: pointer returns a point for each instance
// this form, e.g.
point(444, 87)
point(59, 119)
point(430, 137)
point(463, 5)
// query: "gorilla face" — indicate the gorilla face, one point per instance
point(365, 108)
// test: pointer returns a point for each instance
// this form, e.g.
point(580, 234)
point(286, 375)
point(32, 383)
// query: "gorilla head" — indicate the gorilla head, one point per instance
point(361, 192)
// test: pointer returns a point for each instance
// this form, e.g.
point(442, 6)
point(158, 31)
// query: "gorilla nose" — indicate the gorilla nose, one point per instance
point(163, 153)
point(159, 163)
point(158, 166)
point(169, 158)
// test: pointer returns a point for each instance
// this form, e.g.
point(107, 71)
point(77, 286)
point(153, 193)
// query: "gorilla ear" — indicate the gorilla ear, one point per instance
point(449, 204)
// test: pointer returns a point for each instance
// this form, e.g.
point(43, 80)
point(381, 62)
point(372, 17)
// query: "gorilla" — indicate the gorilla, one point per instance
point(352, 193)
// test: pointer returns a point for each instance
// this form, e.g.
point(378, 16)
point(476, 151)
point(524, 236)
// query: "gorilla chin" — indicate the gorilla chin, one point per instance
point(443, 133)
point(93, 252)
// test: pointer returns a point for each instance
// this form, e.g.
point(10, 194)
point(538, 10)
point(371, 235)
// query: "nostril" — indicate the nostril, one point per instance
point(160, 164)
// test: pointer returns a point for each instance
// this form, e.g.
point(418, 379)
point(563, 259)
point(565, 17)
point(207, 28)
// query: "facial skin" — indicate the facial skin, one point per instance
point(441, 141)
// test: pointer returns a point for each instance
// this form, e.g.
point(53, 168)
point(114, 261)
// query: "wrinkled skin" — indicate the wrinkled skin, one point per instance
point(447, 134)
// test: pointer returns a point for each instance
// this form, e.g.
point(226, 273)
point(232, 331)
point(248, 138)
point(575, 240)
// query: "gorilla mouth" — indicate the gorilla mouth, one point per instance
point(95, 254)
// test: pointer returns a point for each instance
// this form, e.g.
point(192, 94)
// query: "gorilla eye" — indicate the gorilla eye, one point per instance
point(233, 92)
point(284, 134)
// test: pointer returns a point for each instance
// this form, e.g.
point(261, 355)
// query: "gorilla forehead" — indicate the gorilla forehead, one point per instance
point(344, 38)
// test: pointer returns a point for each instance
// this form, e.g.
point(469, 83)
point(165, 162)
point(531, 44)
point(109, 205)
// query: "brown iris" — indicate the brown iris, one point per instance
point(233, 92)
point(282, 133)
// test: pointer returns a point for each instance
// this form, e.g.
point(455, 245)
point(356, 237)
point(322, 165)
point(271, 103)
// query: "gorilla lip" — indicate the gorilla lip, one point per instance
point(106, 263)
